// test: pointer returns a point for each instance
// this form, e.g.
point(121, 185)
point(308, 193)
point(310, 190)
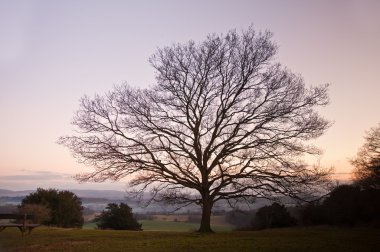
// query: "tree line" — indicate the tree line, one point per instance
point(356, 204)
point(346, 206)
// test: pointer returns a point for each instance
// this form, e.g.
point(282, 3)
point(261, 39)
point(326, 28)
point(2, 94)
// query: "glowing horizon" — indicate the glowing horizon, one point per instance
point(53, 53)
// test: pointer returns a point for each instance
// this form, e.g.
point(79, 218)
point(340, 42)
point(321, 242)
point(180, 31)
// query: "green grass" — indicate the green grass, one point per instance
point(295, 239)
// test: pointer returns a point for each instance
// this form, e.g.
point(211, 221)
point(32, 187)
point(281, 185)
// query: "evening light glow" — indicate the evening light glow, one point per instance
point(54, 52)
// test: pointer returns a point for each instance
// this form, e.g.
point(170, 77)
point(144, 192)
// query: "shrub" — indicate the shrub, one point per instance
point(350, 205)
point(272, 216)
point(118, 217)
point(347, 205)
point(65, 207)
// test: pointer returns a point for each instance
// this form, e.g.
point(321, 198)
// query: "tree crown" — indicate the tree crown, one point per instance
point(223, 121)
point(65, 208)
point(367, 161)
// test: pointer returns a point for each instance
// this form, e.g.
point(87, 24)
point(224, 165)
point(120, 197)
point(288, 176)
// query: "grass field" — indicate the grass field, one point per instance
point(157, 225)
point(167, 223)
point(296, 239)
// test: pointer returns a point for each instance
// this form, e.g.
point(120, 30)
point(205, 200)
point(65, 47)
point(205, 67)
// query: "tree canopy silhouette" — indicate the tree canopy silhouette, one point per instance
point(273, 216)
point(367, 161)
point(118, 217)
point(223, 122)
point(63, 207)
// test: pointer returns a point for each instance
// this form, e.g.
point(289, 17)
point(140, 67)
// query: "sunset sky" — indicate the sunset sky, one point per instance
point(54, 52)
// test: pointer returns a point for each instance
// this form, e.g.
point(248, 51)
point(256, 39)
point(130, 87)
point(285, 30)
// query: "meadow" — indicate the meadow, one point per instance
point(290, 239)
point(176, 223)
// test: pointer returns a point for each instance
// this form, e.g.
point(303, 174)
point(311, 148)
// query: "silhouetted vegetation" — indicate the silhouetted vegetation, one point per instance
point(273, 216)
point(224, 122)
point(347, 205)
point(367, 161)
point(65, 207)
point(118, 217)
point(312, 214)
point(356, 204)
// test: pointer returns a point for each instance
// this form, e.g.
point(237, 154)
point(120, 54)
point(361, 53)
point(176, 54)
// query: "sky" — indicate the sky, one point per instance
point(54, 52)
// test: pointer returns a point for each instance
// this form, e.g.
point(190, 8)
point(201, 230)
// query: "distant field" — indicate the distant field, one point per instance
point(296, 239)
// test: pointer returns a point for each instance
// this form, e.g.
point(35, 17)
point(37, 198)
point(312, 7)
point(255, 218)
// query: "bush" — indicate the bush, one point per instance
point(272, 216)
point(118, 217)
point(350, 205)
point(347, 205)
point(65, 207)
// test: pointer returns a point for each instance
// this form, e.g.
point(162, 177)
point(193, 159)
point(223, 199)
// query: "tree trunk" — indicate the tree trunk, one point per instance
point(206, 216)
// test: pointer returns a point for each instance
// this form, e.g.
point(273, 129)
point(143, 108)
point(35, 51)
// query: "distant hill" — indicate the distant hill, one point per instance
point(108, 194)
point(118, 196)
point(98, 199)
point(9, 193)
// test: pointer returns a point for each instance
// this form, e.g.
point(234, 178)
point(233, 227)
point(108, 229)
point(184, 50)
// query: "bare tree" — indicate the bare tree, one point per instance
point(367, 161)
point(223, 122)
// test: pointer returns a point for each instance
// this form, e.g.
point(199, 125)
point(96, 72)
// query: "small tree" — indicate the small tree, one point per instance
point(223, 122)
point(65, 207)
point(273, 216)
point(119, 217)
point(69, 211)
point(367, 161)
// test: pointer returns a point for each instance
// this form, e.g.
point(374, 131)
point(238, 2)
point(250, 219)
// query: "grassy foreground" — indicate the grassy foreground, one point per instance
point(296, 239)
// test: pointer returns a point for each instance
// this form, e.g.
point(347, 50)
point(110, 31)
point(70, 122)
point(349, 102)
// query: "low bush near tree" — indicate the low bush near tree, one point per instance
point(118, 217)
